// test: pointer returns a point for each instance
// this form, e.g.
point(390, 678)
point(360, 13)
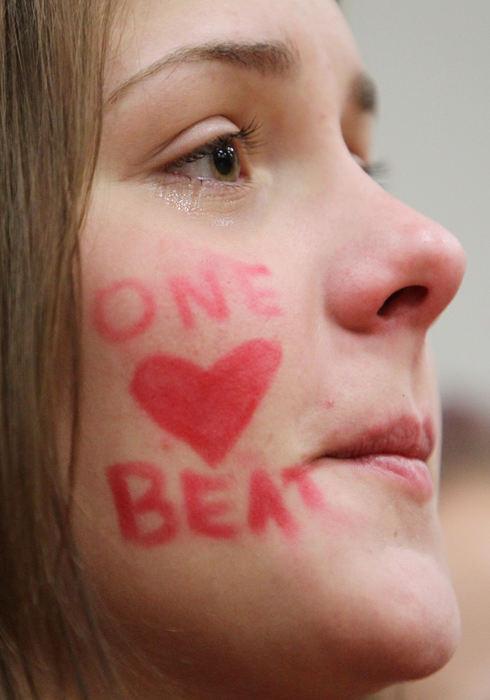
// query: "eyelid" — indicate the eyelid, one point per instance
point(361, 162)
point(194, 137)
point(378, 170)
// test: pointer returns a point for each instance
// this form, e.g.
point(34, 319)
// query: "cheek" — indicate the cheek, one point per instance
point(206, 408)
point(130, 295)
point(185, 373)
point(177, 369)
point(430, 390)
point(123, 310)
point(187, 348)
point(154, 508)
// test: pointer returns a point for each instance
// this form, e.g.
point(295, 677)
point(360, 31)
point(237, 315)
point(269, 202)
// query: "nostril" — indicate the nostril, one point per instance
point(405, 298)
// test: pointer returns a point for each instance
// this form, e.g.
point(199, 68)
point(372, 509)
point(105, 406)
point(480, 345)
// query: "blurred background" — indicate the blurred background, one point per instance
point(431, 60)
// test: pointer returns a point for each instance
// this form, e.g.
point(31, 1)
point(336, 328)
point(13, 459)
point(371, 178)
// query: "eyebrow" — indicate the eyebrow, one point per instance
point(276, 58)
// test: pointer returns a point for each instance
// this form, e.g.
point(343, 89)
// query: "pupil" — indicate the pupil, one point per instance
point(224, 159)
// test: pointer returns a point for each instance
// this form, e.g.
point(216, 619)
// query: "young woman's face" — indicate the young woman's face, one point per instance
point(258, 468)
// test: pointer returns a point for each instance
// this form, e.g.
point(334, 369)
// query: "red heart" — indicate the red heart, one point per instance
point(208, 409)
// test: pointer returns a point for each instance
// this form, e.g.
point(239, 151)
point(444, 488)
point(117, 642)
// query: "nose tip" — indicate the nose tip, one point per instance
point(404, 272)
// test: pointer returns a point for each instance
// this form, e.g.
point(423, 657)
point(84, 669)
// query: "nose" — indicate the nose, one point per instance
point(395, 267)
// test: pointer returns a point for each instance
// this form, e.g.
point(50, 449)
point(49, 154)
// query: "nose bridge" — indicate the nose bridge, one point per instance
point(394, 267)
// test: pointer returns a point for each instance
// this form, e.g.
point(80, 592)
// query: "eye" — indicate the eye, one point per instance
point(219, 160)
point(379, 170)
point(226, 163)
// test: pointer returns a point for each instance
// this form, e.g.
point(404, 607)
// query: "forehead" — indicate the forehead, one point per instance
point(148, 30)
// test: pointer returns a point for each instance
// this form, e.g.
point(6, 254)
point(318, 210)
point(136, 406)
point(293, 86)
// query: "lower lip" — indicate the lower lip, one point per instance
point(410, 474)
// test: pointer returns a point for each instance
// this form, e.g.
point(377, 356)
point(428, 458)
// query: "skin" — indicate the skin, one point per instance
point(349, 592)
point(464, 510)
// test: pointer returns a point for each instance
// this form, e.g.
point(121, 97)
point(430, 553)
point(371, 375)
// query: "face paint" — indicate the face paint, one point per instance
point(131, 511)
point(258, 300)
point(127, 308)
point(266, 503)
point(204, 511)
point(147, 517)
point(308, 490)
point(123, 310)
point(207, 409)
point(209, 296)
point(207, 290)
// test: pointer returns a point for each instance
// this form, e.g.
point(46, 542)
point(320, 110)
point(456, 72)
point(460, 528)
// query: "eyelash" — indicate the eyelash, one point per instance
point(247, 137)
point(379, 170)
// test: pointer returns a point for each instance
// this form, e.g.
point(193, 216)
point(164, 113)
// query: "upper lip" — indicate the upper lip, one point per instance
point(406, 436)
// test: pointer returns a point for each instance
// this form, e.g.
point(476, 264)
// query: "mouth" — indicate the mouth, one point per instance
point(398, 450)
point(405, 437)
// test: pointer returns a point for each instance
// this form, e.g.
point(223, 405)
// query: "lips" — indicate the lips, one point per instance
point(397, 449)
point(404, 437)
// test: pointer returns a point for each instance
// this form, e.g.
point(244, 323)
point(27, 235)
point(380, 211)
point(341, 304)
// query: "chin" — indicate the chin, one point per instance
point(366, 624)
point(409, 620)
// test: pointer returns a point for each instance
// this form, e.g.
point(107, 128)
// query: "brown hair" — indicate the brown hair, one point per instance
point(52, 56)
